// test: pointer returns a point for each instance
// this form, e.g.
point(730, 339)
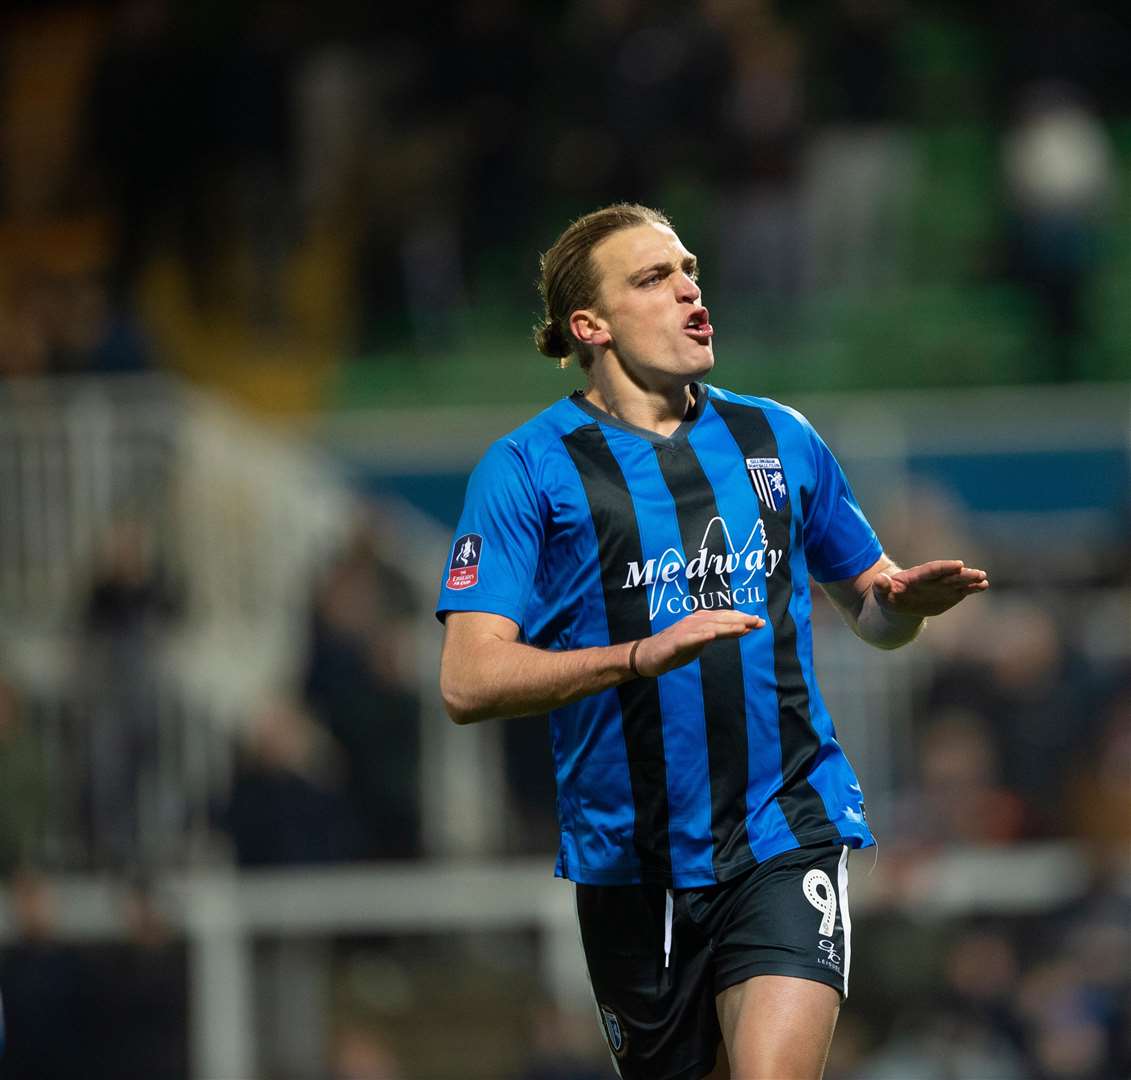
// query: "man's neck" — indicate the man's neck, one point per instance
point(658, 409)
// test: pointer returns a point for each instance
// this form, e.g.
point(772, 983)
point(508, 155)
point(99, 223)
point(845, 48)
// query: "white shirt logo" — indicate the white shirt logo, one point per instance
point(678, 585)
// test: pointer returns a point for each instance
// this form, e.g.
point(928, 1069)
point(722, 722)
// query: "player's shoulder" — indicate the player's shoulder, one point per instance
point(531, 442)
point(774, 410)
point(547, 428)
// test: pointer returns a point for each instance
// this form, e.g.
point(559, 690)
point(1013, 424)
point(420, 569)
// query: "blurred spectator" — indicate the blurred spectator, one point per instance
point(128, 607)
point(1027, 680)
point(359, 1053)
point(1067, 1038)
point(411, 272)
point(336, 110)
point(45, 1008)
point(248, 98)
point(958, 797)
point(861, 166)
point(360, 682)
point(1060, 181)
point(849, 1045)
point(286, 805)
point(529, 767)
point(410, 264)
point(940, 1046)
point(1098, 942)
point(65, 323)
point(1058, 40)
point(563, 1047)
point(761, 116)
point(46, 53)
point(448, 181)
point(644, 84)
point(24, 796)
point(858, 62)
point(481, 76)
point(591, 31)
point(142, 997)
point(1016, 996)
point(982, 972)
point(1098, 788)
point(24, 350)
point(150, 144)
point(84, 333)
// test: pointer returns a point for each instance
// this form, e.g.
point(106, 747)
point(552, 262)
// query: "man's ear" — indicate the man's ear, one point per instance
point(589, 328)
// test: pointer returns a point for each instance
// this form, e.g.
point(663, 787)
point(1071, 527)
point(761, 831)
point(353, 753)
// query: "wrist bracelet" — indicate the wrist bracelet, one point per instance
point(632, 659)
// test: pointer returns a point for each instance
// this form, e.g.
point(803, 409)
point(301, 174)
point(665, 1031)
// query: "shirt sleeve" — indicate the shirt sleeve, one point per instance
point(494, 556)
point(839, 542)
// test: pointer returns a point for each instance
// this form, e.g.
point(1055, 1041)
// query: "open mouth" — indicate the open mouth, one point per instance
point(698, 325)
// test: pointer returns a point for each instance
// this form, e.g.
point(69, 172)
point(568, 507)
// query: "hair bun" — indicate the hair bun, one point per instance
point(551, 340)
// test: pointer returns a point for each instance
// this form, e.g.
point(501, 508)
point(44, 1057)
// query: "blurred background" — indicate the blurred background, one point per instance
point(266, 288)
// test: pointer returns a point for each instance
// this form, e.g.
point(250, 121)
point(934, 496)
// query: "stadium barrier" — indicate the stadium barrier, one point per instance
point(222, 913)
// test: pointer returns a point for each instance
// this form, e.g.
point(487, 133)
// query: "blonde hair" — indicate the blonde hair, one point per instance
point(569, 278)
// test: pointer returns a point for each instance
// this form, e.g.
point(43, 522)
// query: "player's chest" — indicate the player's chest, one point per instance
point(649, 505)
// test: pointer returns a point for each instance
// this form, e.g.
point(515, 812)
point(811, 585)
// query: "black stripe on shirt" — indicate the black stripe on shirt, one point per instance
point(618, 544)
point(803, 808)
point(720, 663)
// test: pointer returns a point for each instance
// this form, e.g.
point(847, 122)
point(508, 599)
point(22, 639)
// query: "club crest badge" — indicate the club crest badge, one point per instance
point(463, 572)
point(618, 1041)
point(769, 481)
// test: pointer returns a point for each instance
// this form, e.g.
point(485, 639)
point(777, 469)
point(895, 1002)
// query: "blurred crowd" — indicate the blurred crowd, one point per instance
point(61, 999)
point(205, 186)
point(1022, 722)
point(1021, 732)
point(1044, 996)
point(325, 771)
point(181, 181)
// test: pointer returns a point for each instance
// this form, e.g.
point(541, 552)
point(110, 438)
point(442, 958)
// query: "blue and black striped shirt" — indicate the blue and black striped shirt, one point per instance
point(588, 531)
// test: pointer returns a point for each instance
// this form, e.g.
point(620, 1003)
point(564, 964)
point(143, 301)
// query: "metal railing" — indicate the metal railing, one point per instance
point(149, 484)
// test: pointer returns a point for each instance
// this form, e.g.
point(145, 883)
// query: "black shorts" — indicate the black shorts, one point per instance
point(658, 958)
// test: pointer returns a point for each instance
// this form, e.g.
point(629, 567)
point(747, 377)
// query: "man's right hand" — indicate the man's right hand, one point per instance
point(683, 641)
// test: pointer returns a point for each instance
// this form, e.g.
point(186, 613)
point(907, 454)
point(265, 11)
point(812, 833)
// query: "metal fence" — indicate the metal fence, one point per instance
point(222, 524)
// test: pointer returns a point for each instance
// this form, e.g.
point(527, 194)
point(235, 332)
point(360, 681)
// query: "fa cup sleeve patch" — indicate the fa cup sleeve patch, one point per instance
point(463, 572)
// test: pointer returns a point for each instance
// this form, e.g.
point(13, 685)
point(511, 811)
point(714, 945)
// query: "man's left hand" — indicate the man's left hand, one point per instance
point(928, 589)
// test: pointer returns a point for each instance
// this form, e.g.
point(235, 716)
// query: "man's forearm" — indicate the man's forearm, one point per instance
point(507, 678)
point(884, 628)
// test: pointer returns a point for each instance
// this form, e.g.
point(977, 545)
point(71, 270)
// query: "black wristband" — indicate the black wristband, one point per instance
point(632, 659)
